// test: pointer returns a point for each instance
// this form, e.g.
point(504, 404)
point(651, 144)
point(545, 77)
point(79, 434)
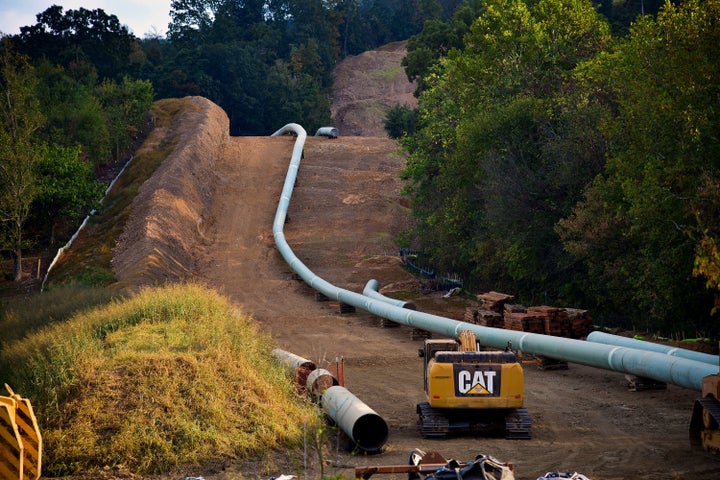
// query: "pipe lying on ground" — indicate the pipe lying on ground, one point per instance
point(366, 429)
point(291, 361)
point(319, 381)
point(298, 367)
point(657, 366)
point(330, 132)
point(372, 290)
point(608, 339)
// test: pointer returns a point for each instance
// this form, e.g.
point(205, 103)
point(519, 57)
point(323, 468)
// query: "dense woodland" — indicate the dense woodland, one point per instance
point(564, 151)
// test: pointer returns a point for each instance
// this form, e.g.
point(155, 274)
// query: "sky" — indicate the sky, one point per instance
point(140, 16)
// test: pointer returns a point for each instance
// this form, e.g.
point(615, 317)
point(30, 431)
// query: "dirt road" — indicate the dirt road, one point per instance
point(345, 213)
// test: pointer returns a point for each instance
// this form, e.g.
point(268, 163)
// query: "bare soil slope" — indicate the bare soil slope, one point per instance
point(366, 86)
point(344, 216)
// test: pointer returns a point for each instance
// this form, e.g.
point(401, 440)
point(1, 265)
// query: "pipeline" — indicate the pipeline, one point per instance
point(608, 339)
point(657, 366)
point(291, 361)
point(371, 290)
point(367, 430)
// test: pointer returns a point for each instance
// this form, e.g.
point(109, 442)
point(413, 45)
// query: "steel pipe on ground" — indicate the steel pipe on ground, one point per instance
point(608, 339)
point(657, 366)
point(361, 424)
point(291, 361)
point(366, 429)
point(330, 132)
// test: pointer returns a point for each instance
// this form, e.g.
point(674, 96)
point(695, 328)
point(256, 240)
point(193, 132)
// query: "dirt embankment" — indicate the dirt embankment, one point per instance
point(161, 237)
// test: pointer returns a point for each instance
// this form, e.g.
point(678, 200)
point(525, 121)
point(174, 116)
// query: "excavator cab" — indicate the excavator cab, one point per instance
point(471, 391)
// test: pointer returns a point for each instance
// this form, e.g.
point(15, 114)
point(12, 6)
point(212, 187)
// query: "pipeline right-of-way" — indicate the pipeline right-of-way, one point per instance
point(654, 365)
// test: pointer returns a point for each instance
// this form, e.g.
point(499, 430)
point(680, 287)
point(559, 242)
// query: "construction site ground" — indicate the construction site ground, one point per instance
point(344, 218)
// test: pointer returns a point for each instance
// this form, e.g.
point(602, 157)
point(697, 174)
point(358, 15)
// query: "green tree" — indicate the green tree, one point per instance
point(400, 121)
point(125, 106)
point(74, 114)
point(437, 38)
point(315, 29)
point(191, 20)
point(505, 144)
point(658, 195)
point(66, 188)
point(20, 119)
point(82, 35)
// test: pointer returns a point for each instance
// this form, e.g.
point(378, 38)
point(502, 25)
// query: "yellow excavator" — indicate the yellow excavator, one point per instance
point(471, 391)
point(705, 420)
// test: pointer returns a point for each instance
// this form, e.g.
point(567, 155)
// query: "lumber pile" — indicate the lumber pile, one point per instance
point(521, 319)
point(496, 310)
point(494, 301)
point(580, 322)
point(554, 319)
point(486, 318)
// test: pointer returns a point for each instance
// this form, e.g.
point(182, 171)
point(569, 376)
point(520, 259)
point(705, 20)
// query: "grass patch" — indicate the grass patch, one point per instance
point(169, 377)
point(31, 312)
point(388, 73)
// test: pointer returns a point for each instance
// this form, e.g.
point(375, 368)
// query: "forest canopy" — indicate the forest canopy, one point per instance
point(568, 165)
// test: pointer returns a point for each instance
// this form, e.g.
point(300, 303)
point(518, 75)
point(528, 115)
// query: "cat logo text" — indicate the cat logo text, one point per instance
point(477, 380)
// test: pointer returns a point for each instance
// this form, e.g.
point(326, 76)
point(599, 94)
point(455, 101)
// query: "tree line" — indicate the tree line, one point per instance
point(572, 160)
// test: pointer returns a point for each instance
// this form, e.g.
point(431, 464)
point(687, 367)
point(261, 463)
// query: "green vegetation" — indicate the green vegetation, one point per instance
point(23, 318)
point(88, 262)
point(57, 127)
point(563, 165)
point(170, 376)
point(400, 121)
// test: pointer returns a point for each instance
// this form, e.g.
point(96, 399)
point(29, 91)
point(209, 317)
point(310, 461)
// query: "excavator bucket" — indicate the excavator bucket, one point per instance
point(20, 440)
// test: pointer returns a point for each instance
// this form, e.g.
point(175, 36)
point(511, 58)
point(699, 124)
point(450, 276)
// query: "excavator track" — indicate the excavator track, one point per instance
point(518, 424)
point(433, 423)
point(705, 423)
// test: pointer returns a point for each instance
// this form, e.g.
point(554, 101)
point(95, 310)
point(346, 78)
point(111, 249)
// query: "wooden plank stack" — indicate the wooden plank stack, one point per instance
point(520, 318)
point(494, 301)
point(580, 322)
point(489, 318)
point(513, 316)
point(495, 310)
point(554, 319)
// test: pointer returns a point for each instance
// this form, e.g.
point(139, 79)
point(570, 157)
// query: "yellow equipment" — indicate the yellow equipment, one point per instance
point(705, 420)
point(20, 440)
point(471, 391)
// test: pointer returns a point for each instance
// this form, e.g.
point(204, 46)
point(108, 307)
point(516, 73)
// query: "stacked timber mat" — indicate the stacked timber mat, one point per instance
point(496, 309)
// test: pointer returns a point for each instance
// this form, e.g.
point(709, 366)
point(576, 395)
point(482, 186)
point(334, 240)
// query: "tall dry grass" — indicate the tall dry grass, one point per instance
point(169, 377)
